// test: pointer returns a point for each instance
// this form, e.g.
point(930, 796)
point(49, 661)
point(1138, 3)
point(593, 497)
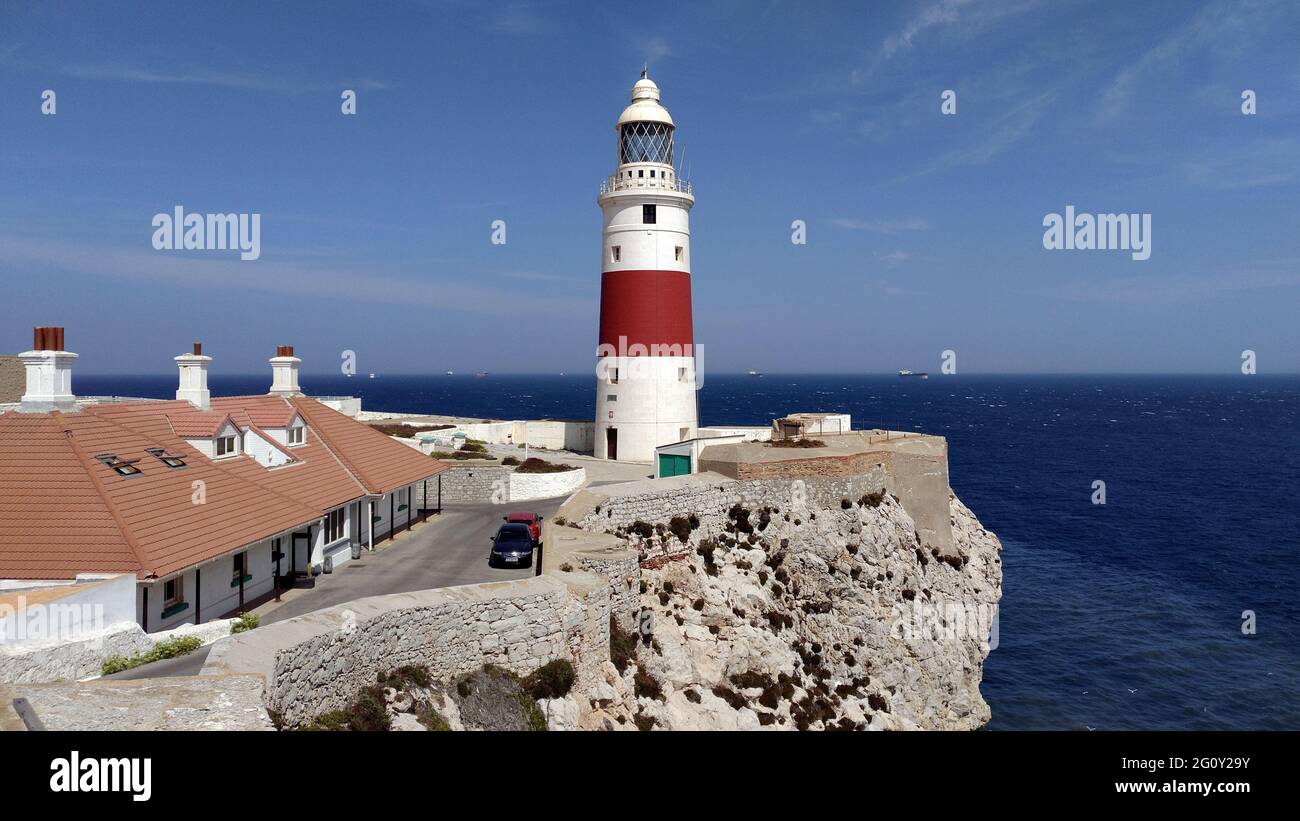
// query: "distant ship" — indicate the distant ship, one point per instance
point(481, 374)
point(755, 373)
point(372, 376)
point(922, 375)
point(451, 373)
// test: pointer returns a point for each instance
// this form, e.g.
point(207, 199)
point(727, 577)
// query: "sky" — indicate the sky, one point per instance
point(924, 230)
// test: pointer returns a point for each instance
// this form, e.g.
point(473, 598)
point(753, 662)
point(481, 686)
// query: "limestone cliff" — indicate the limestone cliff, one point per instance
point(828, 618)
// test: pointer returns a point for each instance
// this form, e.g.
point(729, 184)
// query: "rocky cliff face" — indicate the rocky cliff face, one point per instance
point(834, 618)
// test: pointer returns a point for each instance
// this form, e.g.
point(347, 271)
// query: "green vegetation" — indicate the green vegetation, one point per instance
point(405, 430)
point(459, 455)
point(246, 622)
point(535, 465)
point(552, 680)
point(170, 648)
point(622, 646)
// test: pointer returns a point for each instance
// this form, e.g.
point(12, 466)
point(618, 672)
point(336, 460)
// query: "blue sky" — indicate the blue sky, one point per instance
point(924, 230)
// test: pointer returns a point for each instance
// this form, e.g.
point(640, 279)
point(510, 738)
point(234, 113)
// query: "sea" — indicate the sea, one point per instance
point(1175, 605)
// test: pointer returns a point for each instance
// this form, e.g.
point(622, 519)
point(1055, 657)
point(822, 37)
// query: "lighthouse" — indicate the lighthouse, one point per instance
point(645, 372)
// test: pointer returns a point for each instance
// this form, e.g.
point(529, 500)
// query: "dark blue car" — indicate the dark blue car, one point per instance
point(512, 546)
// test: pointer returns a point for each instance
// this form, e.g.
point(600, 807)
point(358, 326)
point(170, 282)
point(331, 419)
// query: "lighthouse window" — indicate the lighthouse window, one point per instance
point(648, 214)
point(640, 172)
point(616, 253)
point(677, 252)
point(652, 173)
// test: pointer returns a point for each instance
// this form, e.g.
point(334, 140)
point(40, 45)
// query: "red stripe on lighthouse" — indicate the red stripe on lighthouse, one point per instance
point(645, 308)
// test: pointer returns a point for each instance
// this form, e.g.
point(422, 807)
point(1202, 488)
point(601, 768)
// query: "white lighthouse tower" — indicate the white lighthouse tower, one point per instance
point(645, 385)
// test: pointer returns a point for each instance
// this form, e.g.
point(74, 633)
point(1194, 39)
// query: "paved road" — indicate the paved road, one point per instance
point(445, 551)
point(448, 550)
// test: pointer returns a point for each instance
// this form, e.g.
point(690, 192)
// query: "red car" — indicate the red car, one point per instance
point(533, 521)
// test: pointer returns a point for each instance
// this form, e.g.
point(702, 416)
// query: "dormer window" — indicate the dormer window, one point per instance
point(122, 467)
point(297, 436)
point(227, 446)
point(168, 459)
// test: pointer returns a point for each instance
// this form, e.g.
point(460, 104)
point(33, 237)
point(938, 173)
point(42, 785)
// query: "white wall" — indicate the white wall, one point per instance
point(217, 595)
point(647, 247)
point(525, 486)
point(653, 404)
point(577, 436)
point(261, 450)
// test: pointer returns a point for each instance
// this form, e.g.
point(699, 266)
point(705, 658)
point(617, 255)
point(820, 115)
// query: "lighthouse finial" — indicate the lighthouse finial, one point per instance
point(645, 69)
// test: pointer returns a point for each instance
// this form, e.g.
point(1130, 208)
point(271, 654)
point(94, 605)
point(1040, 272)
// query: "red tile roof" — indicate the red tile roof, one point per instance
point(192, 423)
point(63, 512)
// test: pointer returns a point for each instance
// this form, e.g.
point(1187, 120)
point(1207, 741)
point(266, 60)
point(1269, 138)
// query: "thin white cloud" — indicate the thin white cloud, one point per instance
point(1216, 30)
point(882, 226)
point(245, 81)
point(518, 18)
point(654, 49)
point(211, 270)
point(942, 13)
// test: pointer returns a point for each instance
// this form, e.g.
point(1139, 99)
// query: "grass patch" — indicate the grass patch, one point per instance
point(168, 649)
point(246, 622)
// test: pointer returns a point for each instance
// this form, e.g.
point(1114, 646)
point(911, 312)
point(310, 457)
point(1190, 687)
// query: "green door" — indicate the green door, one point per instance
point(671, 464)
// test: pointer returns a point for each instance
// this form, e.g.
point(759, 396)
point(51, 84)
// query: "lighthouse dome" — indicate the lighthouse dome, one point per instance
point(645, 107)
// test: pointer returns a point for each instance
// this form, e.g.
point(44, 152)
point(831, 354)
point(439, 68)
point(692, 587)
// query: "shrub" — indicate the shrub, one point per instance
point(552, 680)
point(872, 499)
point(681, 528)
point(474, 446)
point(167, 649)
point(622, 646)
point(510, 460)
point(647, 685)
point(406, 677)
point(643, 529)
point(246, 622)
point(798, 443)
point(535, 465)
point(736, 700)
point(404, 429)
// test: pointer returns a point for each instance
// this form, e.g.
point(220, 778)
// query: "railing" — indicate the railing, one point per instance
point(614, 182)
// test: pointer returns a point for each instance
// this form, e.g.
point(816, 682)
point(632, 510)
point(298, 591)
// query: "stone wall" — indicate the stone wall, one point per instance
point(319, 662)
point(13, 379)
point(709, 497)
point(488, 481)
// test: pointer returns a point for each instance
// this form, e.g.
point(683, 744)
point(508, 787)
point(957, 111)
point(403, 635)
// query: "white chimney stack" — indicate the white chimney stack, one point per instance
point(194, 378)
point(284, 372)
point(49, 373)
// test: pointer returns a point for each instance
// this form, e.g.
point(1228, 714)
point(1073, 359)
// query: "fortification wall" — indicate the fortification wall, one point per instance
point(316, 663)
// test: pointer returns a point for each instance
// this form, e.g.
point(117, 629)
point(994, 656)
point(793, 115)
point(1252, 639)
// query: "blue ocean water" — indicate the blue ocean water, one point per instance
point(1126, 615)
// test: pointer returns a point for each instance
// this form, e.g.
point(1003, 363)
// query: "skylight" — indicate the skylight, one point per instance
point(171, 460)
point(122, 467)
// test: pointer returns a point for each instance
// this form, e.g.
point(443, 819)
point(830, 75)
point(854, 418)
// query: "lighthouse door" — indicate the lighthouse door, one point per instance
point(611, 443)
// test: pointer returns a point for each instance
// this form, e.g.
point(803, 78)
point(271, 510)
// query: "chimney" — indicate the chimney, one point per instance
point(194, 378)
point(49, 373)
point(284, 372)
